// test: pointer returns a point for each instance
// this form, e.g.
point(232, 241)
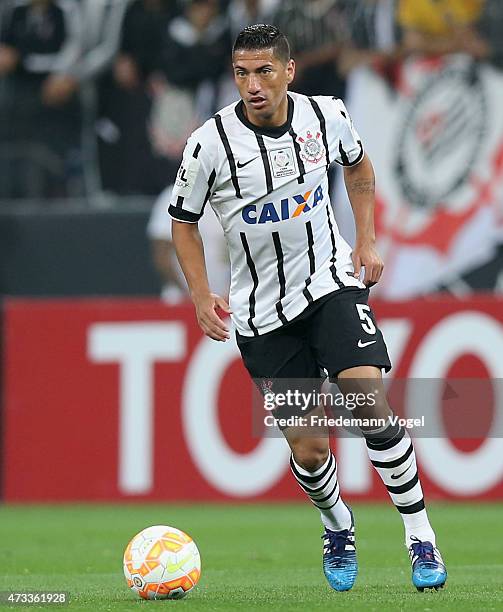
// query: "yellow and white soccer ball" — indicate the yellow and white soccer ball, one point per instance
point(162, 562)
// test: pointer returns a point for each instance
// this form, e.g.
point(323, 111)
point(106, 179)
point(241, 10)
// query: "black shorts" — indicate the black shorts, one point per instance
point(335, 333)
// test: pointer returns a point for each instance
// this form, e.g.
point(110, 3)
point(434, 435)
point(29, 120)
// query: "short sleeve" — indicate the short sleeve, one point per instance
point(348, 145)
point(194, 181)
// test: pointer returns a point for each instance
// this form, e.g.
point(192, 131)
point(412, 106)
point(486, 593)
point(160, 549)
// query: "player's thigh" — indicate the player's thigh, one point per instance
point(344, 334)
point(284, 354)
point(280, 362)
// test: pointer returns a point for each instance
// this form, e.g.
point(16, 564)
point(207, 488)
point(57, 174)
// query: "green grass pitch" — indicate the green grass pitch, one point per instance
point(254, 557)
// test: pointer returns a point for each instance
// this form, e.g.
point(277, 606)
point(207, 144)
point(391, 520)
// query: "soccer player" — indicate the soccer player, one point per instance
point(296, 297)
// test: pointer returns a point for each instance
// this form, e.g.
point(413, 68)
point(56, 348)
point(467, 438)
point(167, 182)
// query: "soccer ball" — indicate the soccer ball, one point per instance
point(162, 562)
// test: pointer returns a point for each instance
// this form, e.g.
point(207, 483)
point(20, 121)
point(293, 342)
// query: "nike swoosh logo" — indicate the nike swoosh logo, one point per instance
point(394, 477)
point(174, 567)
point(240, 165)
point(364, 344)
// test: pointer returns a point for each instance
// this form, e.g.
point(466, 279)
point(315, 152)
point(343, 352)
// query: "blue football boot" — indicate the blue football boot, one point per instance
point(339, 557)
point(428, 569)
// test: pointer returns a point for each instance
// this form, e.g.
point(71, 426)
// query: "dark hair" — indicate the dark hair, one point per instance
point(263, 36)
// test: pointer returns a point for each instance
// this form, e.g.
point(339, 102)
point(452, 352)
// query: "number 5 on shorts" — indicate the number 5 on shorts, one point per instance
point(367, 323)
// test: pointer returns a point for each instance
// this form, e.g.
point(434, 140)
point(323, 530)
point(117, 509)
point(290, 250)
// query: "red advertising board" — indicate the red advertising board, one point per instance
point(126, 399)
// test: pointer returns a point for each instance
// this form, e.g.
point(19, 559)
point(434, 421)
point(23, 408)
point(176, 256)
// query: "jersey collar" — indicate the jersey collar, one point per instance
point(272, 132)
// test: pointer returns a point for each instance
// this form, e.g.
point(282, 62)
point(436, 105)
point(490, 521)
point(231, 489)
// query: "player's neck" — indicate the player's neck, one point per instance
point(279, 118)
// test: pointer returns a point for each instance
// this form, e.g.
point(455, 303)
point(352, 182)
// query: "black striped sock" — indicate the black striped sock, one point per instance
point(322, 488)
point(392, 454)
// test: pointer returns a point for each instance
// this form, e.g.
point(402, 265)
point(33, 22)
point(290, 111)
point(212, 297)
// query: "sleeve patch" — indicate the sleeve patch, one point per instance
point(186, 177)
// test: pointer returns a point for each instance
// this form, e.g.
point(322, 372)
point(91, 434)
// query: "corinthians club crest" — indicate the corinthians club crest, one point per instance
point(311, 147)
point(441, 136)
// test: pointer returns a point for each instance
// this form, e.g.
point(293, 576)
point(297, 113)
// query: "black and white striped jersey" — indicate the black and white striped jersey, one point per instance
point(269, 190)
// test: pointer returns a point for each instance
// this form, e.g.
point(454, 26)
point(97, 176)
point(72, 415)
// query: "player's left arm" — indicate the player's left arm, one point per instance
point(360, 185)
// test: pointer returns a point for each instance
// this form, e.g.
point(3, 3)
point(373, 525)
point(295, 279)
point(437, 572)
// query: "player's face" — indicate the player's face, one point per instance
point(262, 80)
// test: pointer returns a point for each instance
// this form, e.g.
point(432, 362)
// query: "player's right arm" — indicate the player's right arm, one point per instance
point(190, 252)
point(193, 187)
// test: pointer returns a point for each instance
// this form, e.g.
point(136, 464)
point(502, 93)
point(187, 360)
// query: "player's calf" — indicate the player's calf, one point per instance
point(392, 453)
point(315, 469)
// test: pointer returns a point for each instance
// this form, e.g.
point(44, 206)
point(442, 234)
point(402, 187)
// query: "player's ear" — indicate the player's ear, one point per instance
point(290, 70)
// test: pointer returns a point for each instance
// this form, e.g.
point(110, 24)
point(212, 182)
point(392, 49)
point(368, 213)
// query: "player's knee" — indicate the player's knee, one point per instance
point(375, 407)
point(373, 411)
point(311, 456)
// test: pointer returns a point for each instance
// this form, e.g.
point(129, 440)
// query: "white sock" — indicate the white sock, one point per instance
point(392, 454)
point(323, 490)
point(418, 526)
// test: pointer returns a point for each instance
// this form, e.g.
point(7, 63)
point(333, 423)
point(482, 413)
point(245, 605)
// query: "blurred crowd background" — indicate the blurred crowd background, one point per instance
point(97, 97)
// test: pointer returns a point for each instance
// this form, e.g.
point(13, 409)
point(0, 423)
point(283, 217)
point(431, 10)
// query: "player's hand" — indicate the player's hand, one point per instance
point(208, 319)
point(365, 254)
